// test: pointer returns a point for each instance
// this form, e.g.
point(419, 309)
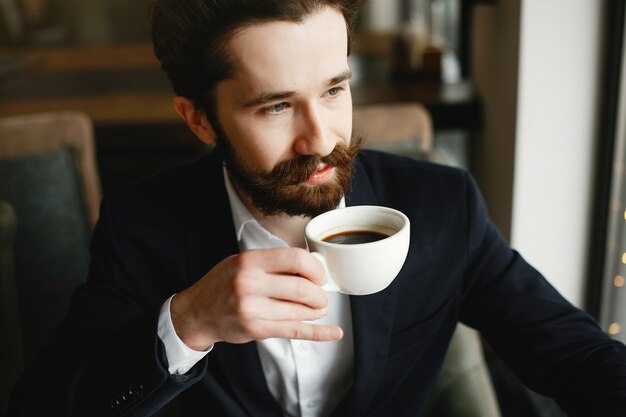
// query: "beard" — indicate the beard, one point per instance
point(282, 190)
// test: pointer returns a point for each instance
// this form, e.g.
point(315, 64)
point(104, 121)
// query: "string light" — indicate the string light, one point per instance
point(614, 329)
point(624, 258)
point(618, 281)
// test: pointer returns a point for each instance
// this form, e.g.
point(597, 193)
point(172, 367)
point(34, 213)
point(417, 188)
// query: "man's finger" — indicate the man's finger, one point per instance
point(302, 331)
point(278, 310)
point(292, 261)
point(295, 289)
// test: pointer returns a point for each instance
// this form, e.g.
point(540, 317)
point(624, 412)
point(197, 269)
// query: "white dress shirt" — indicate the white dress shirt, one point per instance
point(308, 379)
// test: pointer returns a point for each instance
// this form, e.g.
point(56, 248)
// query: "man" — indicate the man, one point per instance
point(200, 287)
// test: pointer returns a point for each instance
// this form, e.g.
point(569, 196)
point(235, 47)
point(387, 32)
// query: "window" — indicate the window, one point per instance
point(607, 295)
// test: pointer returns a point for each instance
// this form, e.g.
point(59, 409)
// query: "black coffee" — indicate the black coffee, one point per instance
point(353, 237)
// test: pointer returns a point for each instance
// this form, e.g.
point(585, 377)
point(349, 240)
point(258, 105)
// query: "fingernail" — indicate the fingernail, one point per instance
point(336, 333)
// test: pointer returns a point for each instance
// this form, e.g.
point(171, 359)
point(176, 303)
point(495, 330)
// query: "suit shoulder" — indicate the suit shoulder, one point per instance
point(167, 196)
point(387, 168)
point(170, 184)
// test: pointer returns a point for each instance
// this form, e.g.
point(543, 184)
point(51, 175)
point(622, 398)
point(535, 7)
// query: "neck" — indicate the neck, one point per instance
point(289, 228)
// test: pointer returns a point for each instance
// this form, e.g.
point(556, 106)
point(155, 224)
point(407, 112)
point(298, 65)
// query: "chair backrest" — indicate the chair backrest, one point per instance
point(403, 128)
point(27, 135)
point(48, 174)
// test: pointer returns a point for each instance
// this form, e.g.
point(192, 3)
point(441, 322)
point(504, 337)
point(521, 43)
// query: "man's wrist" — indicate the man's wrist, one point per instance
point(180, 357)
point(186, 328)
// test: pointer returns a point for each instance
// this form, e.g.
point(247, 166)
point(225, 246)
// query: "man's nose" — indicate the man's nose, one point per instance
point(313, 136)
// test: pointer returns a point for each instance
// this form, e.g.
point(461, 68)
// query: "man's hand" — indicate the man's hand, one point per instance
point(255, 295)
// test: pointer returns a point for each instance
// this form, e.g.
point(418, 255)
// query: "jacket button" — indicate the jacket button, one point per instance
point(115, 403)
point(134, 391)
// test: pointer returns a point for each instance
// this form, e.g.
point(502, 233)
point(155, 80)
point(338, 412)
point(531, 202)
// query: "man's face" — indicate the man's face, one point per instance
point(285, 118)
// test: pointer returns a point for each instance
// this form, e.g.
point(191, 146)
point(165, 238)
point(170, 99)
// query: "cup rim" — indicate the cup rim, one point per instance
point(389, 210)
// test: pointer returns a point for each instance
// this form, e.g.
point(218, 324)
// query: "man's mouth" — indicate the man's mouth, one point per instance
point(324, 173)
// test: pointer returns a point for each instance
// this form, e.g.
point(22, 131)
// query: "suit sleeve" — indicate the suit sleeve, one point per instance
point(106, 358)
point(555, 348)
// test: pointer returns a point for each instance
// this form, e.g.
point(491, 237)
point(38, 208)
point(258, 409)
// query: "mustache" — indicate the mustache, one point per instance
point(296, 171)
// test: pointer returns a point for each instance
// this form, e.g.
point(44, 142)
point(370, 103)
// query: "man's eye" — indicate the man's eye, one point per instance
point(334, 91)
point(276, 108)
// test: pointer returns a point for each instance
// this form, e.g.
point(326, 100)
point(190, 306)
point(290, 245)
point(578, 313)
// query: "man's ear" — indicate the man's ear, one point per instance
point(195, 119)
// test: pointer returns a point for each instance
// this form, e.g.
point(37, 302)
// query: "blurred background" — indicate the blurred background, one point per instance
point(527, 95)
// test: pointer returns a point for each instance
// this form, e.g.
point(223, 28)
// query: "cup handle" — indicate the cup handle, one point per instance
point(329, 283)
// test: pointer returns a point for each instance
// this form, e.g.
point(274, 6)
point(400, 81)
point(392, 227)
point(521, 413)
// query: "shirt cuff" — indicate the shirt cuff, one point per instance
point(180, 357)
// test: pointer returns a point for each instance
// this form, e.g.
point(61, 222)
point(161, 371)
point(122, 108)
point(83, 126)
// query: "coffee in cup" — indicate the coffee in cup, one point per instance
point(362, 248)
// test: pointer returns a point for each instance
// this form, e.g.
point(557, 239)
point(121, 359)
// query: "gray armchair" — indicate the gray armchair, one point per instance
point(48, 175)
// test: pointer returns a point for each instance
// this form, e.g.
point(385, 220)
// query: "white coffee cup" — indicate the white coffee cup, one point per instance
point(360, 268)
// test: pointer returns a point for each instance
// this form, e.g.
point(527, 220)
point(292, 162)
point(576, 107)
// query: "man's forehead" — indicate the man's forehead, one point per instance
point(327, 22)
point(290, 55)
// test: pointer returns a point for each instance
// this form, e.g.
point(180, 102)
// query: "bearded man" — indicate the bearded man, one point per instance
point(200, 285)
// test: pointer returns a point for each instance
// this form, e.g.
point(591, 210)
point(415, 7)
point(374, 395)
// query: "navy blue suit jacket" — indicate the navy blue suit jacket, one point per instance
point(159, 237)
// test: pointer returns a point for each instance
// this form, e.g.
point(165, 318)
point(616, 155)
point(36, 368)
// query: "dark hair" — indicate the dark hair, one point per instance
point(189, 37)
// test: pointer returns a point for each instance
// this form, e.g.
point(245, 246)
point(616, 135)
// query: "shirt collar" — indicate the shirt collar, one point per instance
point(241, 215)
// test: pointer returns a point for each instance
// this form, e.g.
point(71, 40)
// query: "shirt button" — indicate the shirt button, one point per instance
point(312, 403)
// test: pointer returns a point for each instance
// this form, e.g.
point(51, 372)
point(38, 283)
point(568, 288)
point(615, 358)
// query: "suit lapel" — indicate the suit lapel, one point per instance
point(210, 230)
point(371, 324)
point(242, 368)
point(372, 318)
point(211, 238)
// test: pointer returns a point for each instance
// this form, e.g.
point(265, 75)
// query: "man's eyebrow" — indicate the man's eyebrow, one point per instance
point(268, 98)
point(271, 97)
point(346, 75)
